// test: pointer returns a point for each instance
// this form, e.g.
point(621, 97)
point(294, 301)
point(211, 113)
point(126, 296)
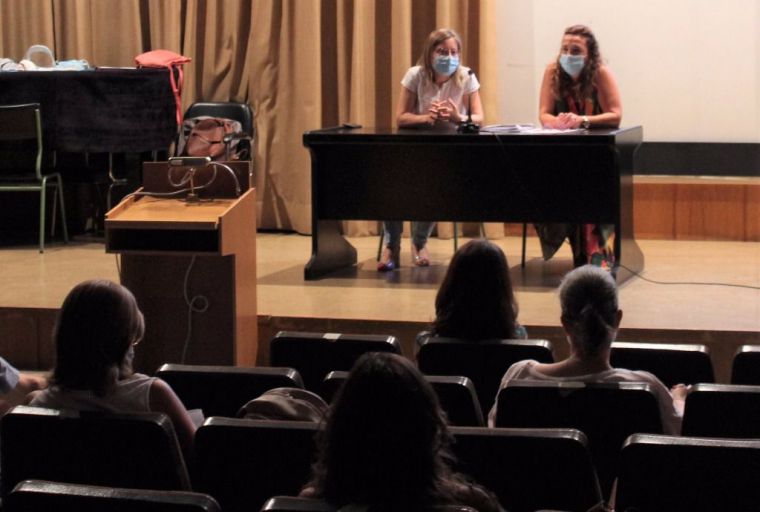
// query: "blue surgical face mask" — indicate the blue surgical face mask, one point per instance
point(445, 65)
point(572, 64)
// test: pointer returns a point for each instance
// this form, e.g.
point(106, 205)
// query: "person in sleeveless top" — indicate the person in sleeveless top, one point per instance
point(579, 91)
point(96, 333)
point(385, 445)
point(591, 317)
point(436, 93)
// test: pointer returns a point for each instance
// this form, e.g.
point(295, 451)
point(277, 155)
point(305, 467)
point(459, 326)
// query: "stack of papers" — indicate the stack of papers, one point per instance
point(527, 129)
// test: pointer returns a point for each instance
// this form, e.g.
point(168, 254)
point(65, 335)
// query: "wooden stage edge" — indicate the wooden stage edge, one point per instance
point(401, 303)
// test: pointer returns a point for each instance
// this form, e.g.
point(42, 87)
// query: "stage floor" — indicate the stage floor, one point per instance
point(401, 303)
point(33, 280)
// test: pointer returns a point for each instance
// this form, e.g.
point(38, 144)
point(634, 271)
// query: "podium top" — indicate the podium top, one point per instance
point(160, 213)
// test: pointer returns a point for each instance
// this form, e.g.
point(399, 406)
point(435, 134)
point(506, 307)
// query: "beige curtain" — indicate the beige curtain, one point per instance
point(301, 64)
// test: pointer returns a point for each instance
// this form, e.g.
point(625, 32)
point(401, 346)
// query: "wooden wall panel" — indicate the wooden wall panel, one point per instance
point(709, 212)
point(654, 210)
point(752, 214)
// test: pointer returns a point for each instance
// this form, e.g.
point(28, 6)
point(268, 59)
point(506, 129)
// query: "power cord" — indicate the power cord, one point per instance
point(694, 283)
point(201, 307)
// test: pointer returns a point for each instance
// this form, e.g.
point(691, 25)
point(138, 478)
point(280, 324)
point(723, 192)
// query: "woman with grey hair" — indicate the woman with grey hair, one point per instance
point(590, 317)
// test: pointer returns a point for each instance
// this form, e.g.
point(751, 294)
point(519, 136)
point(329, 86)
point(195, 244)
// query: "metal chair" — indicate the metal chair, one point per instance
point(21, 134)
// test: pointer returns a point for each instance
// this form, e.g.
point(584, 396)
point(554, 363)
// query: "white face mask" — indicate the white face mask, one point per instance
point(572, 64)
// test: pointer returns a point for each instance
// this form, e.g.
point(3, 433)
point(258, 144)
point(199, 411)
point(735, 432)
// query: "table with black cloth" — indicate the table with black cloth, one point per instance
point(434, 175)
point(101, 110)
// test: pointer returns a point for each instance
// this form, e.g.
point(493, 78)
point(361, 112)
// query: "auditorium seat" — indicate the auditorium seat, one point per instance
point(44, 496)
point(292, 504)
point(456, 395)
point(607, 413)
point(242, 462)
point(530, 469)
point(223, 390)
point(722, 410)
point(667, 473)
point(746, 365)
point(137, 450)
point(672, 363)
point(484, 362)
point(315, 355)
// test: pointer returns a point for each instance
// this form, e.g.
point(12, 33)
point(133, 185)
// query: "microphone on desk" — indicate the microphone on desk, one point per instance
point(468, 126)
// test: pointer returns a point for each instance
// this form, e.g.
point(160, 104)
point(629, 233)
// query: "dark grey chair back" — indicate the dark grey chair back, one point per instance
point(666, 473)
point(745, 368)
point(606, 413)
point(456, 395)
point(223, 390)
point(44, 496)
point(530, 469)
point(242, 462)
point(138, 450)
point(483, 362)
point(672, 363)
point(315, 355)
point(722, 410)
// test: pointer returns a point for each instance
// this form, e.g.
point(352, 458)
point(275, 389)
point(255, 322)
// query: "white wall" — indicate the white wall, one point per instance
point(688, 70)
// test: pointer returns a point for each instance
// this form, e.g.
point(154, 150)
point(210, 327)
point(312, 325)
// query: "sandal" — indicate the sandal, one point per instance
point(388, 260)
point(420, 257)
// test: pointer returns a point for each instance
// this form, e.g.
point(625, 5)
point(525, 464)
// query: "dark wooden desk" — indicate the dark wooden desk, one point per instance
point(395, 174)
point(102, 110)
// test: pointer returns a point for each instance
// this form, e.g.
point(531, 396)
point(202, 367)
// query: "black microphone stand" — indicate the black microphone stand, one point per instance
point(468, 126)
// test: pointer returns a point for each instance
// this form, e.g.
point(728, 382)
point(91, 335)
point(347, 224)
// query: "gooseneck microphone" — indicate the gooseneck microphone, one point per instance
point(468, 126)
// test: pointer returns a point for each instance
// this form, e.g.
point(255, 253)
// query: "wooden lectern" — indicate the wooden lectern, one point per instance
point(175, 253)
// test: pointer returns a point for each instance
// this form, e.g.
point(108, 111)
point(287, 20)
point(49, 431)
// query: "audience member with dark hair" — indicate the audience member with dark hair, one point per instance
point(385, 444)
point(97, 330)
point(590, 317)
point(475, 300)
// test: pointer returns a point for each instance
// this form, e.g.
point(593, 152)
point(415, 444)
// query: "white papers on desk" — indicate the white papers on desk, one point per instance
point(526, 129)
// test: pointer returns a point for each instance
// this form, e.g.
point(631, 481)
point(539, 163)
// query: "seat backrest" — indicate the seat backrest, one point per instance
point(746, 365)
point(293, 504)
point(672, 363)
point(20, 139)
point(223, 390)
point(687, 473)
point(722, 410)
point(138, 450)
point(529, 469)
point(456, 395)
point(240, 112)
point(44, 496)
point(315, 355)
point(607, 413)
point(484, 362)
point(242, 463)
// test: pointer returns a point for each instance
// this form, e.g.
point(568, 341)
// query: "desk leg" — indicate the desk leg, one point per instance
point(630, 255)
point(329, 250)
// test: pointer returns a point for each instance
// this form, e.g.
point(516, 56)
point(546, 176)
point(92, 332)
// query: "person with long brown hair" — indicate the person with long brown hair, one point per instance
point(385, 445)
point(476, 300)
point(579, 91)
point(95, 335)
point(438, 92)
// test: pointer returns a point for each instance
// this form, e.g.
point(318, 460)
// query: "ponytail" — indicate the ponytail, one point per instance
point(588, 296)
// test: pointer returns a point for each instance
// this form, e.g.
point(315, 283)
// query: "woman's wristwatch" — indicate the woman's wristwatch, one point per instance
point(585, 124)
